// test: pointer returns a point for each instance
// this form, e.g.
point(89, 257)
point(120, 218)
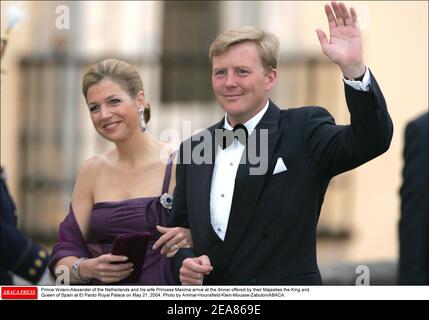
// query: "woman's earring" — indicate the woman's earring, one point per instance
point(142, 122)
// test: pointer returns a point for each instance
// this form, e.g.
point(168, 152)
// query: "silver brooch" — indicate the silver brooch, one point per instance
point(167, 201)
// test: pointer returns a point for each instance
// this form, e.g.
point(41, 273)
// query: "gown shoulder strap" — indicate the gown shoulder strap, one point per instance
point(167, 175)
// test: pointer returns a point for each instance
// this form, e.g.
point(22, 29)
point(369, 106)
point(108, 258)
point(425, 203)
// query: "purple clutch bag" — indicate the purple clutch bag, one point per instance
point(132, 245)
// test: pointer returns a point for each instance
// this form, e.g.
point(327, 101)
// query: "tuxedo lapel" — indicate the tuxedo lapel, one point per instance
point(248, 187)
point(203, 176)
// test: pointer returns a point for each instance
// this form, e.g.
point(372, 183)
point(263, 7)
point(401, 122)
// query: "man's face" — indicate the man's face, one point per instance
point(240, 82)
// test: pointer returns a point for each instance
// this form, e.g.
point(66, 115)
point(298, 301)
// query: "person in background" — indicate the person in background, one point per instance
point(414, 220)
point(19, 254)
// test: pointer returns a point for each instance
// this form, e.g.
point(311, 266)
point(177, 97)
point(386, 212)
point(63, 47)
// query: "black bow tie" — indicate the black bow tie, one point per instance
point(225, 137)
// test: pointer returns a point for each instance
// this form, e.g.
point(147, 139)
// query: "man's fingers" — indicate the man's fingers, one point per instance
point(200, 265)
point(191, 282)
point(193, 270)
point(338, 13)
point(322, 39)
point(205, 261)
point(189, 277)
point(203, 269)
point(346, 14)
point(344, 11)
point(330, 15)
point(189, 273)
point(354, 15)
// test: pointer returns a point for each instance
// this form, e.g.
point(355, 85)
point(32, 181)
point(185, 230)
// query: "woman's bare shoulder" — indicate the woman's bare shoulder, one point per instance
point(87, 176)
point(92, 166)
point(83, 194)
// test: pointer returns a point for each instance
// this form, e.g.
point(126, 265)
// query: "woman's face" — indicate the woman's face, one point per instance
point(114, 113)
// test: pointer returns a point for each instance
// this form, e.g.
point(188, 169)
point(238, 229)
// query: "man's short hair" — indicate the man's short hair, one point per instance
point(267, 44)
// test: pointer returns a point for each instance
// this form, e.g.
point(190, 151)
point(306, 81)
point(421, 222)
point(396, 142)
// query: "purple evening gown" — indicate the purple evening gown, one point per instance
point(113, 218)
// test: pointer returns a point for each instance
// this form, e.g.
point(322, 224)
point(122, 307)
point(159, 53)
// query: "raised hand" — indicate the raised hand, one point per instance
point(345, 44)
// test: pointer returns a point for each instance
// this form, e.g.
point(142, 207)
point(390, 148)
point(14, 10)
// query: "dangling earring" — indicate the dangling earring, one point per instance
point(142, 122)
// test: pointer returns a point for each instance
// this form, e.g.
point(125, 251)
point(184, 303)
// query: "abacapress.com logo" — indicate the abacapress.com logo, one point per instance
point(18, 292)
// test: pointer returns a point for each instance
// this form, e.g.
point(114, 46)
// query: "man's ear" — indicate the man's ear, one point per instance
point(271, 79)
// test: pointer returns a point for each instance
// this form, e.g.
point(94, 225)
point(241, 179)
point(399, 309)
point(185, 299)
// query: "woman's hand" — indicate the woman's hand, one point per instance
point(172, 240)
point(107, 268)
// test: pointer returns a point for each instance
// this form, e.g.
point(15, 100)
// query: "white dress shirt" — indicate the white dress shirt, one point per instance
point(224, 173)
point(360, 85)
point(228, 159)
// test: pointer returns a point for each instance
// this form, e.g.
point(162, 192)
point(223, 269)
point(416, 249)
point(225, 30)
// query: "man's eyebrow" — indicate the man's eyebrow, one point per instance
point(234, 67)
point(241, 67)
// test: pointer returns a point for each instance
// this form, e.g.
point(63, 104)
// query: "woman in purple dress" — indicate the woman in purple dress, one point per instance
point(123, 191)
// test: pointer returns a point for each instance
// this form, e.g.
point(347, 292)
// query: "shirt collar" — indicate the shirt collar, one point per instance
point(250, 124)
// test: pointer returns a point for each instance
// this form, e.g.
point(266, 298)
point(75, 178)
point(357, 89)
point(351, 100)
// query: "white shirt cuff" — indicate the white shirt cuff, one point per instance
point(360, 85)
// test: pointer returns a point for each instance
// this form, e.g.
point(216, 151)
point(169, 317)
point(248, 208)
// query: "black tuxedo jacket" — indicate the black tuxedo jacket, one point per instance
point(414, 223)
point(271, 233)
